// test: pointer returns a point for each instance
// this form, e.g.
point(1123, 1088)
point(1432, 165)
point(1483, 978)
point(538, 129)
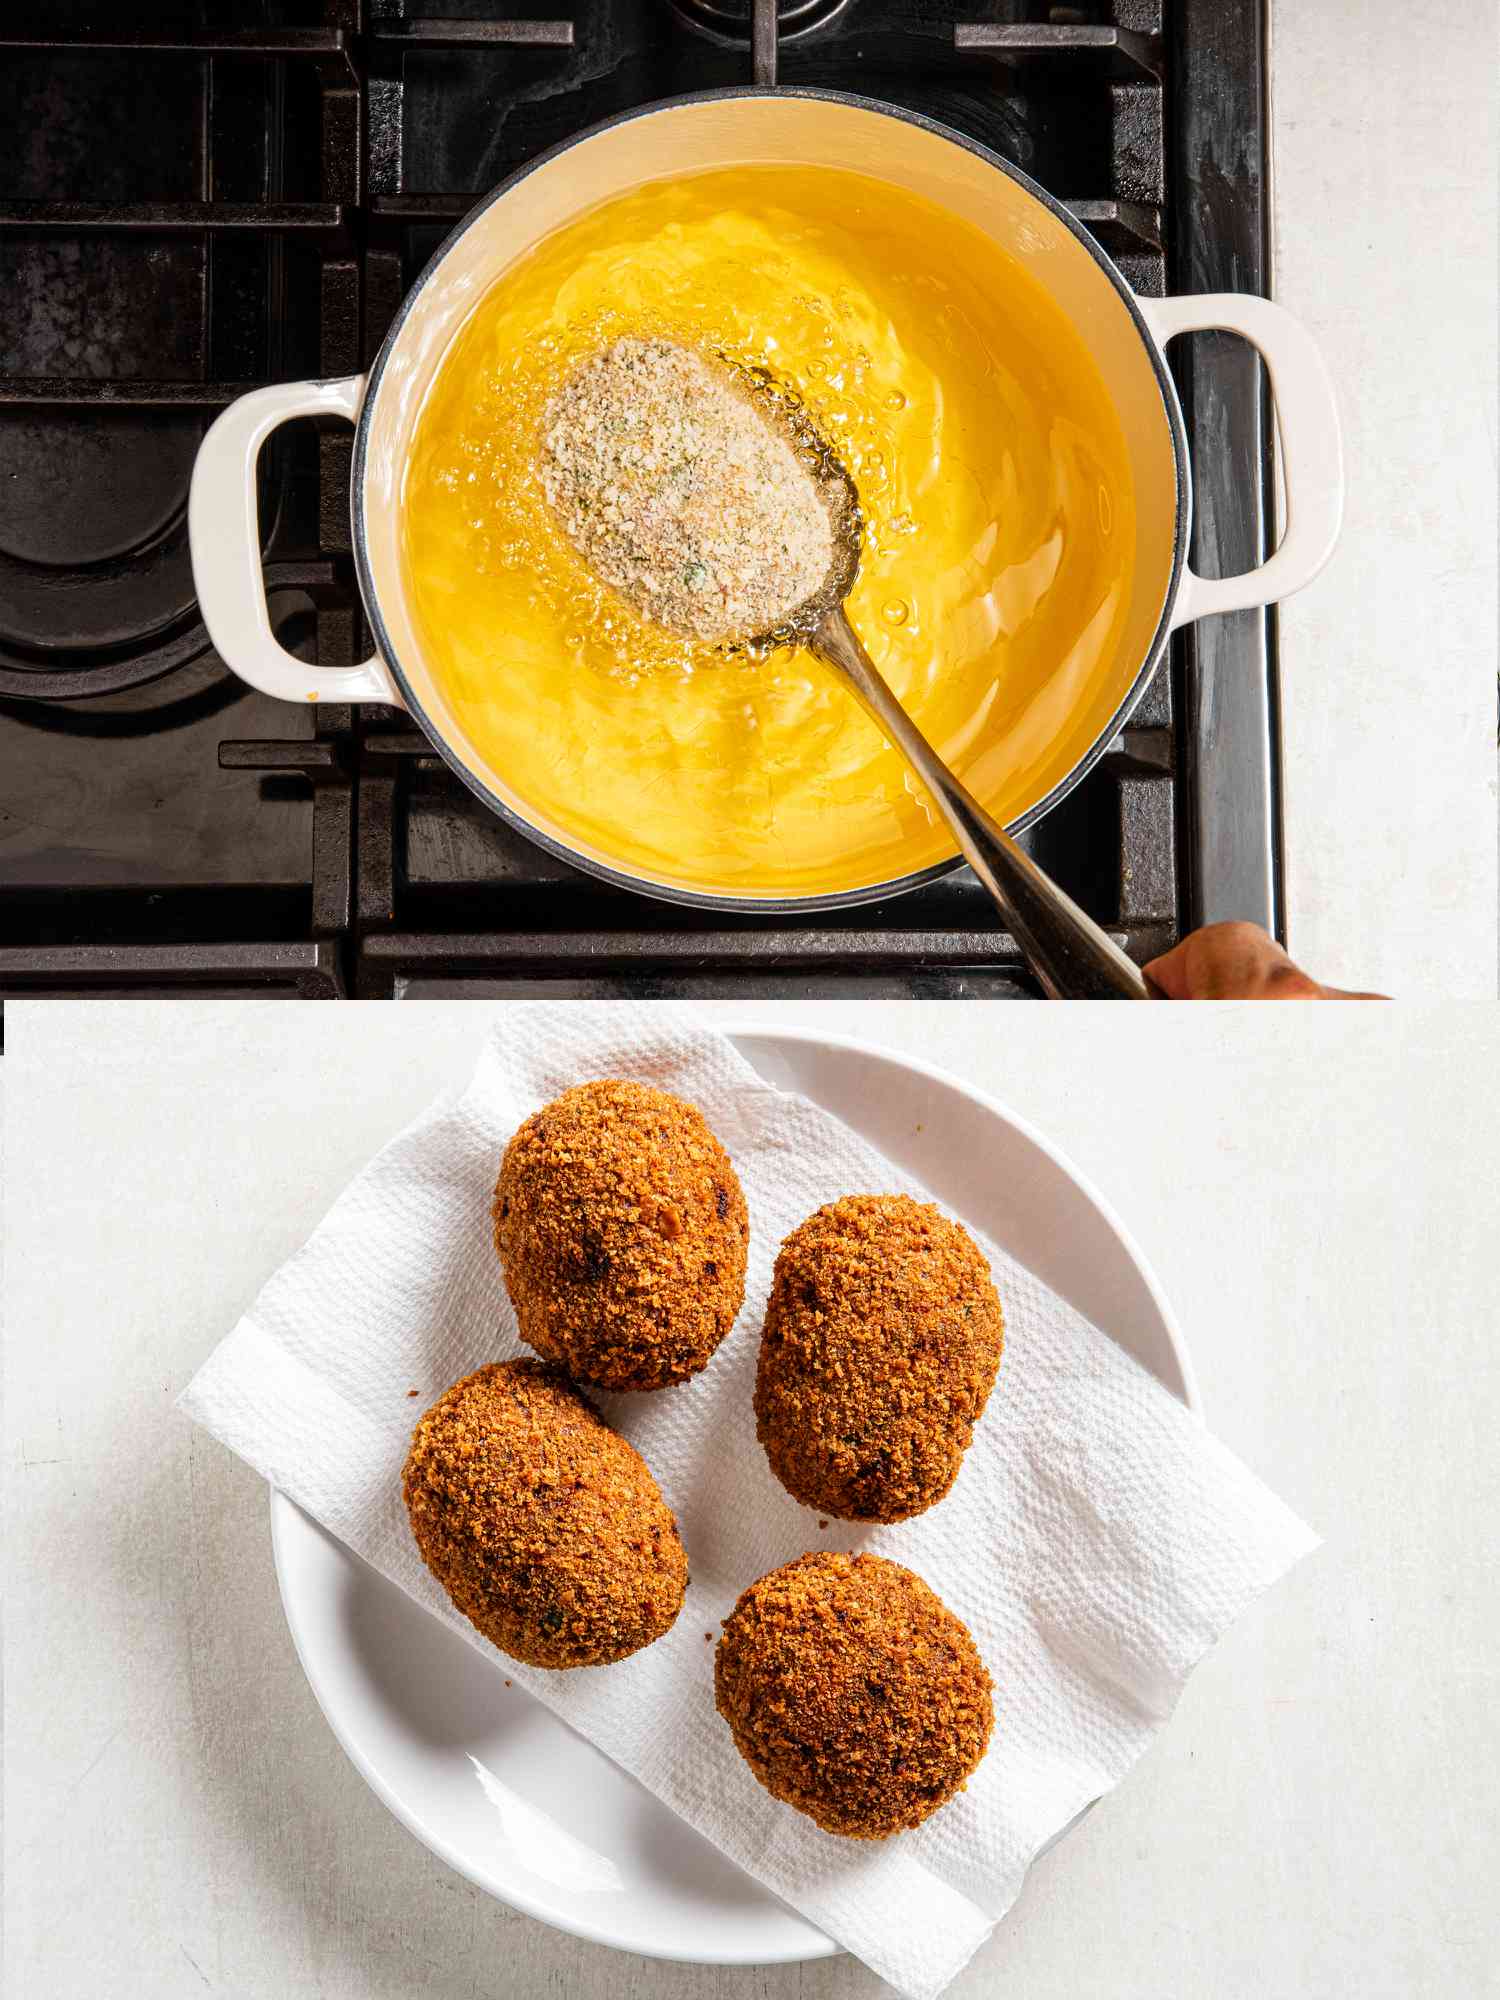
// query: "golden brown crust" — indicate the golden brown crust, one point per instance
point(544, 1527)
point(622, 1231)
point(882, 1341)
point(853, 1693)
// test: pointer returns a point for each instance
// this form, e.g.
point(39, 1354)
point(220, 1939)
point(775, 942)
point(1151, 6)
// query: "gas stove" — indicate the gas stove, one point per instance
point(220, 195)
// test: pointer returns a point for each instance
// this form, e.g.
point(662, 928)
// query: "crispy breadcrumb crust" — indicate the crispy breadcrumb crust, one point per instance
point(853, 1693)
point(622, 1232)
point(544, 1527)
point(882, 1341)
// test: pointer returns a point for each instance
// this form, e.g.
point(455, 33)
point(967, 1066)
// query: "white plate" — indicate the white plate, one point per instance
point(498, 1787)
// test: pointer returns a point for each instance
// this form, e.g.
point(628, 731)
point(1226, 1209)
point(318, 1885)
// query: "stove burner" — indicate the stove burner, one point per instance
point(119, 313)
point(79, 581)
point(729, 21)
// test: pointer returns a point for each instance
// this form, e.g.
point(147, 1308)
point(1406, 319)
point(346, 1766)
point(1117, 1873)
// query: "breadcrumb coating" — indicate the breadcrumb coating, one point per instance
point(622, 1231)
point(670, 482)
point(545, 1528)
point(853, 1693)
point(882, 1341)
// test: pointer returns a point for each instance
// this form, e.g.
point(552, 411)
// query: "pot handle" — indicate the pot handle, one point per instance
point(224, 535)
point(1312, 457)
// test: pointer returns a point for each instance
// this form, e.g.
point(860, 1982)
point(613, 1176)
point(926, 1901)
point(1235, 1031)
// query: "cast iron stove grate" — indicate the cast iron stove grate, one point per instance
point(238, 194)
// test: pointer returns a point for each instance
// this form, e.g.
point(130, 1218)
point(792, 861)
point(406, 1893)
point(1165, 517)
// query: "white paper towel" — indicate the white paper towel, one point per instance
point(1096, 1543)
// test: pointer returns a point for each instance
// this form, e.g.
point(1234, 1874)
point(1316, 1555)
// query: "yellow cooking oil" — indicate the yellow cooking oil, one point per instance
point(999, 534)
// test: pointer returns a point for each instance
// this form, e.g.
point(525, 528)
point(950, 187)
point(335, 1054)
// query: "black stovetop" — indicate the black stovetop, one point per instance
point(197, 198)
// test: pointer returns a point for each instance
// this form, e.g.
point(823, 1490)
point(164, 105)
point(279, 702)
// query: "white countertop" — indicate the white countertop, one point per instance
point(1384, 135)
point(1315, 1188)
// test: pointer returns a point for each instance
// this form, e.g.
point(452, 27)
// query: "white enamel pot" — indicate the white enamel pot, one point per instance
point(1126, 336)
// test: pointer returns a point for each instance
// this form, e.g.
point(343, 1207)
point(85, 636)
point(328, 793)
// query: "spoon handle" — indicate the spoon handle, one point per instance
point(1068, 952)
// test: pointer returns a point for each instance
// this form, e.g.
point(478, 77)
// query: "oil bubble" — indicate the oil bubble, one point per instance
point(894, 613)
